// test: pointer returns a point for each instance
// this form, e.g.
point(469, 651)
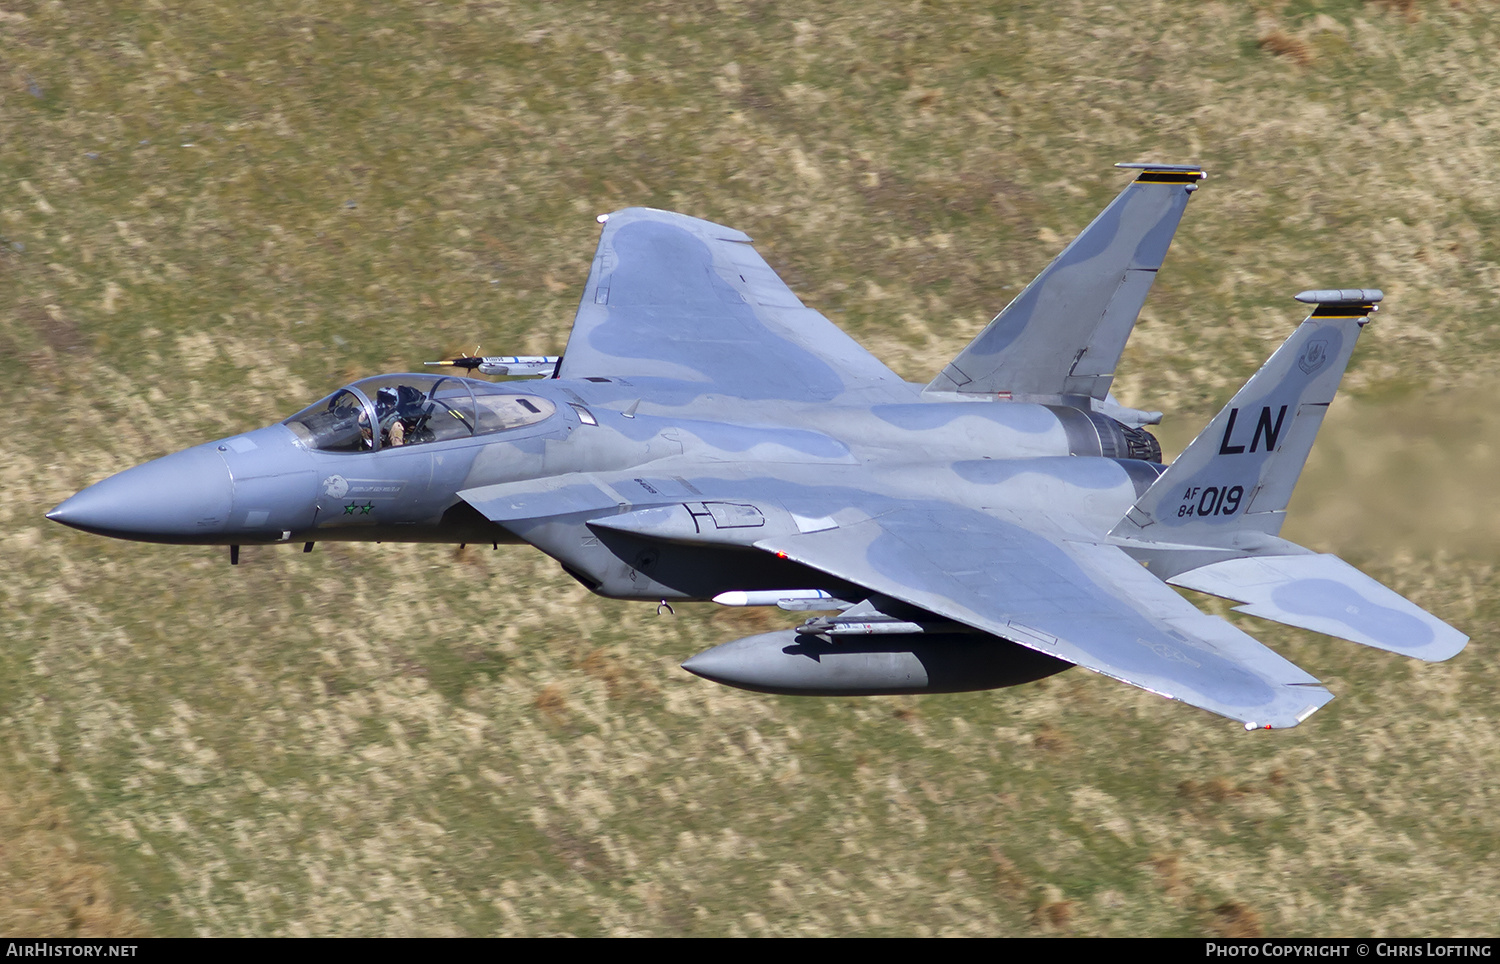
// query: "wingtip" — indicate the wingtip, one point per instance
point(1286, 723)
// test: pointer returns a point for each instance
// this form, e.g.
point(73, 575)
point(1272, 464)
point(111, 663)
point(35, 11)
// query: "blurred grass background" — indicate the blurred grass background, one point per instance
point(212, 213)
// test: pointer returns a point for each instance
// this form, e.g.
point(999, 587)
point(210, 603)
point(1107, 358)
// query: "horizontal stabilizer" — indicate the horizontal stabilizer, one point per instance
point(1325, 594)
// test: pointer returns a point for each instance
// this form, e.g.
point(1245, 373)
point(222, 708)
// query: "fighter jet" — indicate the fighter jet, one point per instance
point(706, 436)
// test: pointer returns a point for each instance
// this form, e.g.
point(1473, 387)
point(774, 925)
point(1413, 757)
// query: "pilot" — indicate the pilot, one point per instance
point(388, 410)
point(403, 410)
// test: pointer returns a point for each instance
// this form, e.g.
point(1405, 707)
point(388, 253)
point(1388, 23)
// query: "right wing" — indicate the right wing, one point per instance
point(1080, 601)
point(1086, 603)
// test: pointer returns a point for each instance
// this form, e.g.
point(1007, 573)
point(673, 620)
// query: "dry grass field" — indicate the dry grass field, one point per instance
point(212, 213)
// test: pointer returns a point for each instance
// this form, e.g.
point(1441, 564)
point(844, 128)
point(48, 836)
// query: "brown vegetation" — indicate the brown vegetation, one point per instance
point(1283, 44)
point(213, 215)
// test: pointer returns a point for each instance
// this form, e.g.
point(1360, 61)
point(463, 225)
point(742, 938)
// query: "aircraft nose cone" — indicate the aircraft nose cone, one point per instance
point(184, 497)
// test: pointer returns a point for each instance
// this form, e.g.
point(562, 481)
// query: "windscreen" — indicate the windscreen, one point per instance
point(394, 411)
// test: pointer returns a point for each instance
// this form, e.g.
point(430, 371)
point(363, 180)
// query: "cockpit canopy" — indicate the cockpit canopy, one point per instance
point(390, 411)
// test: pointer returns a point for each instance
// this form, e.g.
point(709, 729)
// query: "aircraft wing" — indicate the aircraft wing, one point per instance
point(1084, 602)
point(674, 297)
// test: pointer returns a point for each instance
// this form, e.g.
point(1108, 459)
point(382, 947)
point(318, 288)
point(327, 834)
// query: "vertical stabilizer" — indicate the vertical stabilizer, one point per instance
point(1238, 474)
point(1062, 337)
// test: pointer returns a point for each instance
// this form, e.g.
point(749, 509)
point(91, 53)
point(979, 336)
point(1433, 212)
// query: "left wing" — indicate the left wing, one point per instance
point(678, 298)
point(1083, 602)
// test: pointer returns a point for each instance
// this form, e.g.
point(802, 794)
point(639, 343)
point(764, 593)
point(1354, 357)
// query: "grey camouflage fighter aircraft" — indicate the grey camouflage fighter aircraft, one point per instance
point(707, 436)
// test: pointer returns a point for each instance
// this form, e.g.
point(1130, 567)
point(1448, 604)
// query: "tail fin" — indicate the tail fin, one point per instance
point(1209, 522)
point(1238, 474)
point(1061, 338)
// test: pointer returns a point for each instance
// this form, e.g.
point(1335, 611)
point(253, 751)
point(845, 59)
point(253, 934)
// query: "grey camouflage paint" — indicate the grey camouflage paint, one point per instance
point(708, 433)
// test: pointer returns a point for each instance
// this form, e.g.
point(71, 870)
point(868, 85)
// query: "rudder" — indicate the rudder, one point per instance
point(1238, 474)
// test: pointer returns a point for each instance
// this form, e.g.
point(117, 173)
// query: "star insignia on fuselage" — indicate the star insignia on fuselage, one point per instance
point(354, 508)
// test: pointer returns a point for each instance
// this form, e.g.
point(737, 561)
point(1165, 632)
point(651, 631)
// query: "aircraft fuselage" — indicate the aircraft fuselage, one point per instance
point(280, 484)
